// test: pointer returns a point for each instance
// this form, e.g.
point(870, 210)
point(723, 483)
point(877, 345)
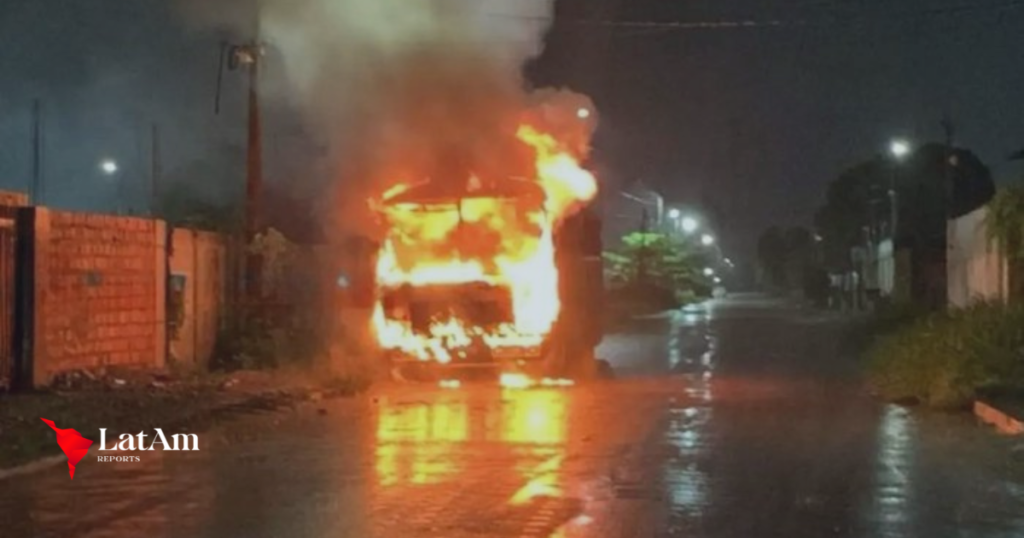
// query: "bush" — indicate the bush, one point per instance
point(943, 359)
point(891, 317)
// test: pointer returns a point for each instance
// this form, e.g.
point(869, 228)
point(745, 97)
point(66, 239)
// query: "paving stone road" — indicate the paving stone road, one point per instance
point(742, 418)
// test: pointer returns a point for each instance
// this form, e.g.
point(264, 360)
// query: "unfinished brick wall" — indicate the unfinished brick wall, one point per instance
point(99, 292)
point(9, 204)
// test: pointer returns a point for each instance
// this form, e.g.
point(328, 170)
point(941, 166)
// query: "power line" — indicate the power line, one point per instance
point(821, 19)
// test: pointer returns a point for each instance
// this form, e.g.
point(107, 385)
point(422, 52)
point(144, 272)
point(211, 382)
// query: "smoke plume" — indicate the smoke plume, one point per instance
point(405, 90)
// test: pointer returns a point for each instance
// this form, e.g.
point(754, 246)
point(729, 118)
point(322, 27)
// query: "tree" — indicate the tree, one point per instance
point(1005, 226)
point(789, 259)
point(772, 254)
point(932, 184)
point(656, 261)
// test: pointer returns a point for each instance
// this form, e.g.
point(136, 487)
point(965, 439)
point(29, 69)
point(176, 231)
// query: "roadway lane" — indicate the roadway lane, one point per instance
point(742, 418)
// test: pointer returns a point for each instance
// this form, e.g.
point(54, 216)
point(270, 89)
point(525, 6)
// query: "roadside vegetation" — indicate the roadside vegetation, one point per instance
point(654, 272)
point(945, 359)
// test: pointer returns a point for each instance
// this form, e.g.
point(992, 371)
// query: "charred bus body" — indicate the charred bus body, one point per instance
point(485, 285)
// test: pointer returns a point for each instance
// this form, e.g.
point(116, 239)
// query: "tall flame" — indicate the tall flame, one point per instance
point(487, 240)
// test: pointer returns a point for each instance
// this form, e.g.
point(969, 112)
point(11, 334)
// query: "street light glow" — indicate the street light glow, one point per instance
point(709, 271)
point(673, 213)
point(690, 225)
point(718, 280)
point(707, 240)
point(108, 166)
point(899, 148)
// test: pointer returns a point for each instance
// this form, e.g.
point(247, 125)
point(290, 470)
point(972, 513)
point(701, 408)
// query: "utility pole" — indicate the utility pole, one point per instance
point(254, 149)
point(948, 178)
point(154, 170)
point(641, 269)
point(948, 163)
point(36, 189)
point(248, 56)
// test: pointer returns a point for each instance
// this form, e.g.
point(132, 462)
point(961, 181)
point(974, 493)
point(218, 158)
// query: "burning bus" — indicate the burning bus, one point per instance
point(502, 275)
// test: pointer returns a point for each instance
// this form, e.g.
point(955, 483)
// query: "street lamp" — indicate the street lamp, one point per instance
point(673, 213)
point(709, 271)
point(707, 240)
point(690, 225)
point(899, 150)
point(108, 166)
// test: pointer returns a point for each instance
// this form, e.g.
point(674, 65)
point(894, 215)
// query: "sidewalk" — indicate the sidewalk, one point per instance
point(146, 401)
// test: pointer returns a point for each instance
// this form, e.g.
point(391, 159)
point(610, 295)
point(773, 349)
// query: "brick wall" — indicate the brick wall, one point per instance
point(9, 204)
point(99, 292)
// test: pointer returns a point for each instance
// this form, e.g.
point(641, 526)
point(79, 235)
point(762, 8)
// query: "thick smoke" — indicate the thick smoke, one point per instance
point(405, 90)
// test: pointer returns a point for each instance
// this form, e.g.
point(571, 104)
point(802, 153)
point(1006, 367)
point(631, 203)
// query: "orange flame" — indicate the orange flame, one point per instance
point(485, 240)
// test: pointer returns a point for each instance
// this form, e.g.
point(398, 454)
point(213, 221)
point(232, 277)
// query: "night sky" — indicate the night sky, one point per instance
point(753, 121)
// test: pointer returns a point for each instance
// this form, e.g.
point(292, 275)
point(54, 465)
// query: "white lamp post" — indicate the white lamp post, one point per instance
point(899, 150)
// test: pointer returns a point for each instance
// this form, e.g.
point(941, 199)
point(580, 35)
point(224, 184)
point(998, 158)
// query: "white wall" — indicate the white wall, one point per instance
point(975, 268)
point(886, 268)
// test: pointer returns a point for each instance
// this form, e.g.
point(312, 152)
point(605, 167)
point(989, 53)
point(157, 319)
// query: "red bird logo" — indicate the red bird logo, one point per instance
point(72, 443)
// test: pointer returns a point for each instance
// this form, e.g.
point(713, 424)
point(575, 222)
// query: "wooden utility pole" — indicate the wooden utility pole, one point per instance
point(253, 174)
point(248, 56)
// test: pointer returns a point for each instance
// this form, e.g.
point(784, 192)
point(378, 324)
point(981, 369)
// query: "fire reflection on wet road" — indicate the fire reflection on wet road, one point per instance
point(741, 419)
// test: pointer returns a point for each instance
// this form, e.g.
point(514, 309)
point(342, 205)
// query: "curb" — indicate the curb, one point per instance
point(1003, 422)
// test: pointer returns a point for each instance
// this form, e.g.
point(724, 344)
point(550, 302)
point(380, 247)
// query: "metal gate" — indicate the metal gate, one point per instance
point(8, 261)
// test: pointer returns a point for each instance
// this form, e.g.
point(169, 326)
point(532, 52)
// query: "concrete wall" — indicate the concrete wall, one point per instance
point(198, 286)
point(99, 292)
point(975, 268)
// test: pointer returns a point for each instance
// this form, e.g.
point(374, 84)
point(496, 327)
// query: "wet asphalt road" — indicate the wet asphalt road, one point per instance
point(740, 419)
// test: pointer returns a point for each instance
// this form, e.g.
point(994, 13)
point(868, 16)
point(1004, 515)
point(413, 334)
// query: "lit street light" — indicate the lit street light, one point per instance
point(899, 148)
point(718, 280)
point(673, 213)
point(709, 271)
point(108, 166)
point(707, 240)
point(690, 225)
